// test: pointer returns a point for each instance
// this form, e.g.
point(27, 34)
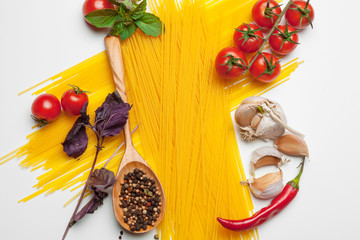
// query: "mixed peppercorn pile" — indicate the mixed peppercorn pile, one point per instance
point(140, 200)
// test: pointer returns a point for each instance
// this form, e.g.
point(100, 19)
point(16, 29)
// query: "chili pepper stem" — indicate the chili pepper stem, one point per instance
point(270, 33)
point(295, 182)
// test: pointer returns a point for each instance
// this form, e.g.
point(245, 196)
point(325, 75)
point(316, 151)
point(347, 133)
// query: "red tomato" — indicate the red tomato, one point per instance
point(92, 5)
point(264, 13)
point(73, 100)
point(248, 38)
point(300, 14)
point(230, 63)
point(284, 41)
point(265, 68)
point(46, 108)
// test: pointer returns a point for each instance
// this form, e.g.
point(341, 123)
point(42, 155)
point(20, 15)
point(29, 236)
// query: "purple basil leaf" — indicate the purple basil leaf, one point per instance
point(111, 116)
point(91, 206)
point(85, 118)
point(76, 140)
point(102, 179)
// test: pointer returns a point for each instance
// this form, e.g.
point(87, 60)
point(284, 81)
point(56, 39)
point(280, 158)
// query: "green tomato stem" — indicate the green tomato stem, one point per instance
point(270, 33)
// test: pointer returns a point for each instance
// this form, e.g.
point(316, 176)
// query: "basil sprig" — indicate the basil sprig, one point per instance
point(126, 19)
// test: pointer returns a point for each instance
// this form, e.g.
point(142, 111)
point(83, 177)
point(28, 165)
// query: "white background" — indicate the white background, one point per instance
point(39, 39)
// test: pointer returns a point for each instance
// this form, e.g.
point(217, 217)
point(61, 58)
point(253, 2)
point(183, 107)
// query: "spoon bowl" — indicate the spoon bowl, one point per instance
point(131, 159)
point(119, 213)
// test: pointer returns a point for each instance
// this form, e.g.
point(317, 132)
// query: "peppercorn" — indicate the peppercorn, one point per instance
point(139, 200)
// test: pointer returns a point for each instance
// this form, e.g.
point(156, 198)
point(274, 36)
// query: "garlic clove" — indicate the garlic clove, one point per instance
point(292, 144)
point(254, 100)
point(244, 114)
point(266, 161)
point(265, 156)
point(267, 186)
point(255, 121)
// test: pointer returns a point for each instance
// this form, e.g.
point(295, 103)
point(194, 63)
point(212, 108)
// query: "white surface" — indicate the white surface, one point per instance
point(38, 40)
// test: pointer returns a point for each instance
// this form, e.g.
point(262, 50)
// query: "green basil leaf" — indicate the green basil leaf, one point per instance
point(128, 31)
point(116, 2)
point(118, 28)
point(103, 18)
point(123, 10)
point(150, 24)
point(139, 11)
point(129, 4)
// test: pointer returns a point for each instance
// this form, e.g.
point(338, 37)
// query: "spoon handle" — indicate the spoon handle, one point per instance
point(113, 51)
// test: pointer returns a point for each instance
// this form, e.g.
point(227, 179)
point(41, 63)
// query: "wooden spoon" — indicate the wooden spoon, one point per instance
point(131, 158)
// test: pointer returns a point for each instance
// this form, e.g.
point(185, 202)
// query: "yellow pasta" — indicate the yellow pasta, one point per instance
point(182, 109)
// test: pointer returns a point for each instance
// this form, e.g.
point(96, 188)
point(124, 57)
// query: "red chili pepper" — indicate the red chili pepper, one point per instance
point(277, 204)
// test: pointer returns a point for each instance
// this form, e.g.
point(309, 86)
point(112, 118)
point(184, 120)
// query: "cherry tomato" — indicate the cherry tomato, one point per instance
point(284, 41)
point(248, 38)
point(300, 14)
point(230, 63)
point(265, 68)
point(92, 5)
point(73, 100)
point(264, 13)
point(45, 108)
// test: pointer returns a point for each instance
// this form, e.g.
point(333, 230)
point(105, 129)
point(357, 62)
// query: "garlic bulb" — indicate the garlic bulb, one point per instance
point(265, 156)
point(267, 186)
point(292, 144)
point(259, 117)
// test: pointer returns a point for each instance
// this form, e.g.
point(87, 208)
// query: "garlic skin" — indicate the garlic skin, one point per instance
point(268, 128)
point(255, 117)
point(267, 186)
point(292, 144)
point(265, 156)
